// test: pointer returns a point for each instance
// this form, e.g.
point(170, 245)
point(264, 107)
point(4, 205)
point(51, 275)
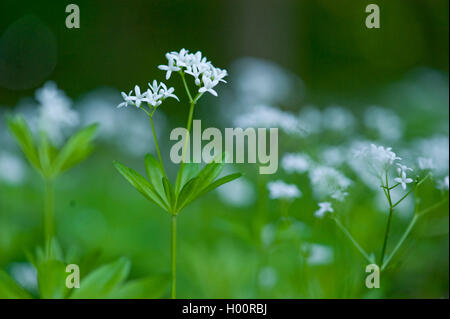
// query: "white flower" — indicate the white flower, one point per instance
point(338, 119)
point(56, 117)
point(339, 195)
point(127, 99)
point(153, 96)
point(12, 168)
point(378, 158)
point(239, 193)
point(384, 122)
point(326, 181)
point(324, 207)
point(171, 67)
point(403, 180)
point(281, 190)
point(318, 254)
point(425, 163)
point(444, 184)
point(298, 163)
point(402, 169)
point(208, 86)
point(205, 74)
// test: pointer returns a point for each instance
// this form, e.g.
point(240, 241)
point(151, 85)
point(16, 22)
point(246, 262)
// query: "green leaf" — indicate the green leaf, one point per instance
point(9, 289)
point(141, 184)
point(187, 194)
point(47, 154)
point(219, 182)
point(102, 281)
point(155, 173)
point(52, 279)
point(188, 172)
point(169, 193)
point(77, 148)
point(145, 288)
point(21, 132)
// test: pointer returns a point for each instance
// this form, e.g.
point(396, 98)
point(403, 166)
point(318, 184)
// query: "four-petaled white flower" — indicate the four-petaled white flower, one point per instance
point(402, 168)
point(208, 86)
point(403, 179)
point(171, 67)
point(140, 97)
point(127, 99)
point(324, 207)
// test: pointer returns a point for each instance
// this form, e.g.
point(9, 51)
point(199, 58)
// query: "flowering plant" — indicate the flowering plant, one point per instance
point(192, 181)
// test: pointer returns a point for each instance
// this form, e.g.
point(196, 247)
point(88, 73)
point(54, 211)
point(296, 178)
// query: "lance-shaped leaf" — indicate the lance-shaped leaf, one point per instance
point(155, 173)
point(185, 174)
point(102, 281)
point(21, 132)
point(141, 184)
point(219, 182)
point(47, 154)
point(77, 148)
point(169, 193)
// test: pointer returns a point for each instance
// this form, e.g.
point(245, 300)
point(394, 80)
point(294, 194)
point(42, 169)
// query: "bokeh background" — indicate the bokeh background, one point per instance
point(313, 62)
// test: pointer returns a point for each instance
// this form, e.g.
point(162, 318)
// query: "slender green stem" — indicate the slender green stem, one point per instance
point(400, 243)
point(156, 144)
point(388, 226)
point(174, 254)
point(354, 242)
point(49, 219)
point(186, 87)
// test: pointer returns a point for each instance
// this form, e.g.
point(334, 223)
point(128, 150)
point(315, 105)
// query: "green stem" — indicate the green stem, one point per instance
point(354, 242)
point(49, 219)
point(156, 144)
point(402, 239)
point(174, 255)
point(388, 226)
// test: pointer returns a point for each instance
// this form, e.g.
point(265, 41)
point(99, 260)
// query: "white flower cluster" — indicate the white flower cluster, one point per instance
point(281, 190)
point(324, 208)
point(56, 117)
point(153, 96)
point(378, 158)
point(327, 181)
point(206, 76)
point(298, 163)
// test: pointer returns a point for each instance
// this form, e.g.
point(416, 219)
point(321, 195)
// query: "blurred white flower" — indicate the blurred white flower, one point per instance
point(378, 158)
point(298, 163)
point(339, 195)
point(264, 116)
point(333, 155)
point(317, 254)
point(326, 181)
point(403, 179)
point(324, 207)
point(267, 277)
point(436, 148)
point(338, 119)
point(239, 192)
point(56, 117)
point(402, 169)
point(443, 184)
point(12, 168)
point(25, 275)
point(260, 81)
point(385, 122)
point(281, 190)
point(425, 163)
